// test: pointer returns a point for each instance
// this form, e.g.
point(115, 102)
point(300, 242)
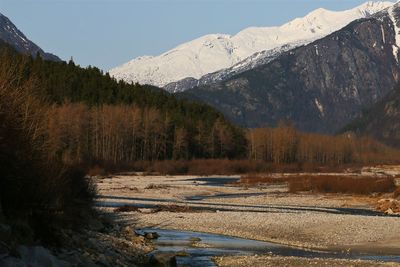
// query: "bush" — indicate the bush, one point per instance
point(341, 184)
point(396, 193)
point(96, 171)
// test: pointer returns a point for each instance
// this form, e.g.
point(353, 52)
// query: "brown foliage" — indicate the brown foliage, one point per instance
point(341, 184)
point(126, 208)
point(96, 171)
point(285, 145)
point(255, 179)
point(34, 188)
point(389, 206)
point(200, 167)
point(396, 193)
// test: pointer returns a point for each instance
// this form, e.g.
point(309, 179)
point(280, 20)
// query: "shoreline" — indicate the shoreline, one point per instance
point(267, 213)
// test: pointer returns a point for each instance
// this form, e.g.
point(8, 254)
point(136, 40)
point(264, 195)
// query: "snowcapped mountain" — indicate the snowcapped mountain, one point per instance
point(11, 35)
point(213, 52)
point(321, 86)
point(255, 60)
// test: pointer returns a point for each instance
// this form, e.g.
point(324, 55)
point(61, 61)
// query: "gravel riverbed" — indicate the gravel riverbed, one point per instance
point(268, 213)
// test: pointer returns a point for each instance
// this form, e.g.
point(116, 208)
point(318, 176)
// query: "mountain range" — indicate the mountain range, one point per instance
point(214, 52)
point(321, 86)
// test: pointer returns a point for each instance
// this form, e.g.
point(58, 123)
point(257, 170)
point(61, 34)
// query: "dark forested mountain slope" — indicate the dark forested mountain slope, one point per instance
point(382, 121)
point(10, 34)
point(320, 87)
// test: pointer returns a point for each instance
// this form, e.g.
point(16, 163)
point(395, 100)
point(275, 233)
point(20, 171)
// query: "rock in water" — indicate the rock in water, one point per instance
point(152, 235)
point(163, 260)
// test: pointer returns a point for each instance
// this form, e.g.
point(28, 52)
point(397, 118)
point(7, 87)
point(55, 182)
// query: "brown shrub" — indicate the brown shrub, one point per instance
point(396, 193)
point(96, 171)
point(253, 179)
point(341, 184)
point(228, 167)
point(389, 206)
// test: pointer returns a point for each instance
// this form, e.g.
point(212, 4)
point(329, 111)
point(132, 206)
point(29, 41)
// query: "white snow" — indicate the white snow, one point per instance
point(397, 32)
point(214, 52)
point(383, 35)
point(320, 107)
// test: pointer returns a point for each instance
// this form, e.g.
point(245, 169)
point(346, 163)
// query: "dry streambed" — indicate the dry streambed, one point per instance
point(266, 213)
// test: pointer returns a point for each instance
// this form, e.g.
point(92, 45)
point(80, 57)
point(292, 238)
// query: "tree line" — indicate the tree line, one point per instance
point(78, 133)
point(284, 144)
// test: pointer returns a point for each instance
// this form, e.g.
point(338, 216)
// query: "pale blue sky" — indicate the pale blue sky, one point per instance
point(106, 33)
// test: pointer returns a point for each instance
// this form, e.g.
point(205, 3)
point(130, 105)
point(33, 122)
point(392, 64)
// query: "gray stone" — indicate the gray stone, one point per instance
point(163, 260)
point(151, 235)
point(39, 257)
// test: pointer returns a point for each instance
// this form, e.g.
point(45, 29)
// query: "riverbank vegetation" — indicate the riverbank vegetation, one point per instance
point(326, 183)
point(37, 194)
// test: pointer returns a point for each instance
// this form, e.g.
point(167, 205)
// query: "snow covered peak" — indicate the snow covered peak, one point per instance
point(371, 7)
point(214, 52)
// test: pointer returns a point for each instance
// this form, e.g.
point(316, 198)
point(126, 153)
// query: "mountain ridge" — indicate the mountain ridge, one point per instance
point(11, 35)
point(321, 86)
point(214, 52)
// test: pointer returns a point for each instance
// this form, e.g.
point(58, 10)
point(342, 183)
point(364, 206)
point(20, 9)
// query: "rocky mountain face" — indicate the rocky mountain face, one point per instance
point(381, 122)
point(321, 86)
point(11, 35)
point(214, 52)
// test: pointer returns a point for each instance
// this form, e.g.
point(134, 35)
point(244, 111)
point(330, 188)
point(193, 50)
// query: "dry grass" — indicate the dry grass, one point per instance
point(342, 184)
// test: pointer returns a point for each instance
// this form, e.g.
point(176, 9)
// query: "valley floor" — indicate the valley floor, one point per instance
point(266, 213)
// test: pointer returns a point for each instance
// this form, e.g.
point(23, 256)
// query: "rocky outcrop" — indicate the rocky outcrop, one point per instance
point(320, 87)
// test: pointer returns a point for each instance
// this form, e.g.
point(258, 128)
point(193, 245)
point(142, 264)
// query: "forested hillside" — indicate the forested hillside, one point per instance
point(95, 118)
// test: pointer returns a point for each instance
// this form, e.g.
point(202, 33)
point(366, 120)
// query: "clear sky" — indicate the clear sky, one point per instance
point(107, 33)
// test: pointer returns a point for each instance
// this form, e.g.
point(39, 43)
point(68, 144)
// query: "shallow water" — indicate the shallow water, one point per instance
point(200, 247)
point(214, 181)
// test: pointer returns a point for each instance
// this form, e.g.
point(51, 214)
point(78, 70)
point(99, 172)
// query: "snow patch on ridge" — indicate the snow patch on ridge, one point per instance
point(320, 107)
point(392, 16)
